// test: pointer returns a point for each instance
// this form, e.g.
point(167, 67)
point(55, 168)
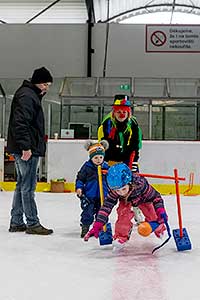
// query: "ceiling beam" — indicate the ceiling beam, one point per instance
point(173, 7)
point(42, 11)
point(90, 10)
point(148, 7)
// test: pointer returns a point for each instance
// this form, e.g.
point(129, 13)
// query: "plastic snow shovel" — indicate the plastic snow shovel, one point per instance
point(180, 235)
point(105, 236)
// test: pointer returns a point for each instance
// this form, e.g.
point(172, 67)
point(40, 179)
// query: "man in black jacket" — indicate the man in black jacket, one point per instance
point(27, 143)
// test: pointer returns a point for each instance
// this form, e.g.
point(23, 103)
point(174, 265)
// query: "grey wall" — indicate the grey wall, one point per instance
point(63, 48)
point(127, 57)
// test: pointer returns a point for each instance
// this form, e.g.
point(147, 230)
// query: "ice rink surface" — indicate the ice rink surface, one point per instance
point(64, 267)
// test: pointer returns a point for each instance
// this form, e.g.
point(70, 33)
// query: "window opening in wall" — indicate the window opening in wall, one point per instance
point(81, 130)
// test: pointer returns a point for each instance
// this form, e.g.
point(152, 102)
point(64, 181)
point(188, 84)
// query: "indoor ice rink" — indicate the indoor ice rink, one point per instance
point(96, 49)
point(63, 266)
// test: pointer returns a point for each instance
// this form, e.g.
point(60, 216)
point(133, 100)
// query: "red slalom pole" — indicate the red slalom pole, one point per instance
point(161, 176)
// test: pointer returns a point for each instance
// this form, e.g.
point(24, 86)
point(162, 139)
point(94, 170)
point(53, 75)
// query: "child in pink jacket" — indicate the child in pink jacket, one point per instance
point(131, 190)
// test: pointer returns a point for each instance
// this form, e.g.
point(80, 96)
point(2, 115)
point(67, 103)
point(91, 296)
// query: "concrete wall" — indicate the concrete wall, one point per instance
point(63, 49)
point(127, 57)
point(64, 159)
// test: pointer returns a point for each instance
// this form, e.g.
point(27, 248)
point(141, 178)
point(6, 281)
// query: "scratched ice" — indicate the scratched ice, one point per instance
point(62, 266)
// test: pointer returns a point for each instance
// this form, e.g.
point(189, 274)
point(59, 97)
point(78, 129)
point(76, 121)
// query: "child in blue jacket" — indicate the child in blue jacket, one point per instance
point(87, 185)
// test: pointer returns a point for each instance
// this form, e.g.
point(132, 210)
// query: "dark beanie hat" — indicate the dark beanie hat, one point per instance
point(41, 75)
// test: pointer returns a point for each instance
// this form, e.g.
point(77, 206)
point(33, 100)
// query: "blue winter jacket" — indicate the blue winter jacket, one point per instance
point(87, 180)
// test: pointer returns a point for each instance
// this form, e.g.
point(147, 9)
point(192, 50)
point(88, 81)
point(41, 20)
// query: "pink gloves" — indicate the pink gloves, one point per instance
point(162, 215)
point(97, 227)
point(160, 230)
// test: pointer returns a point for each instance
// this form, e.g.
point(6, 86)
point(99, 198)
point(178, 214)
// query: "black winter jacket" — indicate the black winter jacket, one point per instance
point(26, 125)
point(131, 139)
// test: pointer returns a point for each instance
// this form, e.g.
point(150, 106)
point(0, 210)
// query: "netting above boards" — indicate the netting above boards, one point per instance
point(96, 86)
point(8, 87)
point(102, 89)
point(135, 87)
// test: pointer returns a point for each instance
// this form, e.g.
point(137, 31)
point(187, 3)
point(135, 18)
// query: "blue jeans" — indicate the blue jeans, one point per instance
point(24, 195)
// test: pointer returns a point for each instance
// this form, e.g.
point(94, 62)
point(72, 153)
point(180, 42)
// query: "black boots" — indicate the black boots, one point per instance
point(84, 230)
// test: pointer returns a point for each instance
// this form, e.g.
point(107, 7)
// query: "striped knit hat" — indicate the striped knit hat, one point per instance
point(96, 148)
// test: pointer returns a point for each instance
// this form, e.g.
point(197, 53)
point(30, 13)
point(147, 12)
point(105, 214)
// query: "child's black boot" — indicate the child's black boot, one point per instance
point(84, 230)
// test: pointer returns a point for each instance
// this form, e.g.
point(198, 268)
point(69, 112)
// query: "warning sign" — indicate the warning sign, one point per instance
point(158, 38)
point(173, 38)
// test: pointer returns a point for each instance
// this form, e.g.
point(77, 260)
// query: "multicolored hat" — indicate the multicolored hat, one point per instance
point(96, 148)
point(121, 100)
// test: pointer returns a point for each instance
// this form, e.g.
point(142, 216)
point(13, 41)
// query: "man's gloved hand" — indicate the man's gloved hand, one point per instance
point(162, 215)
point(135, 167)
point(84, 201)
point(97, 227)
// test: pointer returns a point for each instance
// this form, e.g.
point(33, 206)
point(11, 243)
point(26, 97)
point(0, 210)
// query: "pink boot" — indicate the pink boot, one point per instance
point(118, 244)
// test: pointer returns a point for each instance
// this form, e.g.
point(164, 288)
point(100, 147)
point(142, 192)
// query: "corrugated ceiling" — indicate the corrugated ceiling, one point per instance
point(122, 9)
point(64, 11)
point(75, 11)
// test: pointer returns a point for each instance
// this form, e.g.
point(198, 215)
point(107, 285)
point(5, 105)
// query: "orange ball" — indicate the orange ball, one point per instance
point(144, 229)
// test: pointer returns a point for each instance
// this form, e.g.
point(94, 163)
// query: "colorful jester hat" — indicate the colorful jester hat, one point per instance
point(122, 102)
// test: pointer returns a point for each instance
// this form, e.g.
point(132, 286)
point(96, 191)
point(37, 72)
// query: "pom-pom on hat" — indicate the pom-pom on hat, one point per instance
point(41, 75)
point(96, 148)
